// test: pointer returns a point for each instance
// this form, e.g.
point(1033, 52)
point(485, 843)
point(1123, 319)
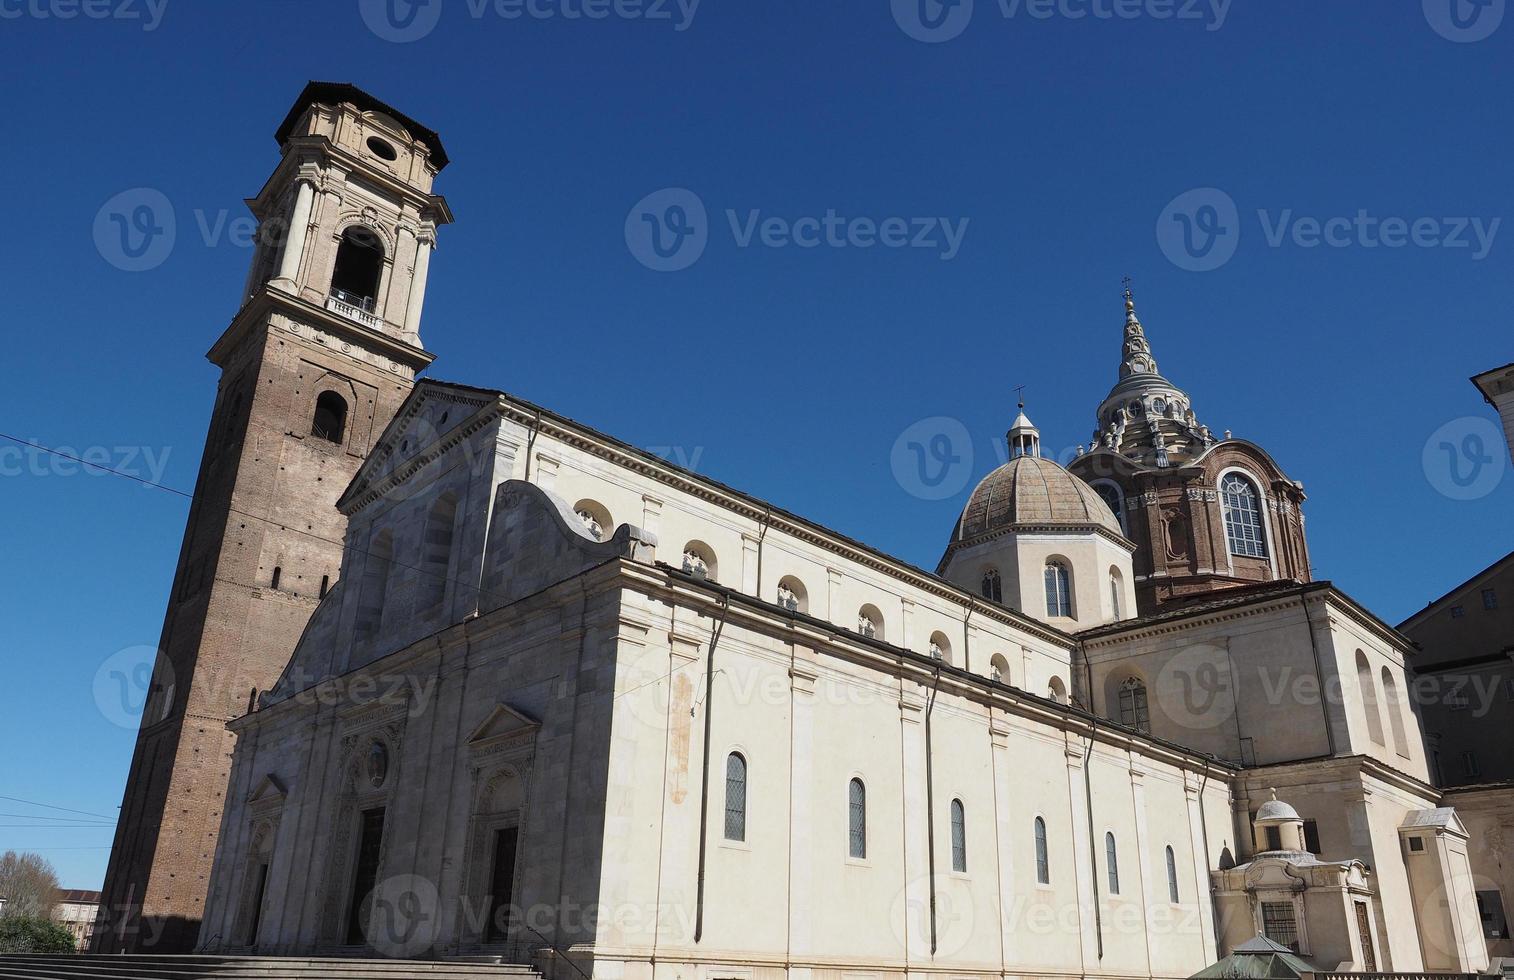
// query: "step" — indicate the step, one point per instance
point(200, 967)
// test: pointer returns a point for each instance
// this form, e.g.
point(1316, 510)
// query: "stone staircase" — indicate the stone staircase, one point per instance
point(196, 967)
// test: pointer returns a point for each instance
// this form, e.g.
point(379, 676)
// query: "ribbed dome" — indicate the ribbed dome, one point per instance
point(1275, 811)
point(1032, 490)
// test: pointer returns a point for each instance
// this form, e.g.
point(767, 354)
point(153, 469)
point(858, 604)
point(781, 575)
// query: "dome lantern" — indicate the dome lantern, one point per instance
point(1024, 437)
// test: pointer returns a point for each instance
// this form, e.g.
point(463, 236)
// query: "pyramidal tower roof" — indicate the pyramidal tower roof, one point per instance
point(1145, 417)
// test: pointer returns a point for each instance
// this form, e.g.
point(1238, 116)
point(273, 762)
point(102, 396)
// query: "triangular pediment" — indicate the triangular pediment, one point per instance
point(432, 414)
point(503, 721)
point(269, 790)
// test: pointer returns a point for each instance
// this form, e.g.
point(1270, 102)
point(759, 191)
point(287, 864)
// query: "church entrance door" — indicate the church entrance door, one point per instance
point(501, 885)
point(365, 876)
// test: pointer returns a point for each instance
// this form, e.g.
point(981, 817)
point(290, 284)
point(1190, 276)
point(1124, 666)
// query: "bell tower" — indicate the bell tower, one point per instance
point(324, 348)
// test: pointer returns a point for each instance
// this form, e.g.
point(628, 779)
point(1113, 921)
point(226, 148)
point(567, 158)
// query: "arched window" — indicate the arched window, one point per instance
point(1057, 691)
point(870, 622)
point(1112, 863)
point(1134, 710)
point(699, 560)
point(735, 797)
point(993, 586)
point(998, 668)
point(1172, 876)
point(436, 554)
point(940, 648)
point(959, 837)
point(359, 265)
point(1043, 863)
point(278, 573)
point(596, 520)
point(1243, 517)
point(377, 567)
point(1114, 592)
point(792, 595)
point(857, 819)
point(330, 420)
point(1395, 713)
point(1058, 589)
point(1369, 697)
point(1111, 495)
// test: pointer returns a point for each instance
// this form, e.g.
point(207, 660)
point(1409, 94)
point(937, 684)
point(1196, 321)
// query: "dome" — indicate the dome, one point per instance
point(1275, 811)
point(1029, 490)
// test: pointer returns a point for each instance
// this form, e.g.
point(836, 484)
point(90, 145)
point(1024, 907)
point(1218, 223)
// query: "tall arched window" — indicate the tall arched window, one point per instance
point(1058, 589)
point(1111, 496)
point(359, 266)
point(1134, 710)
point(857, 819)
point(1368, 690)
point(735, 797)
point(1043, 863)
point(1112, 863)
point(1114, 592)
point(436, 554)
point(1395, 714)
point(993, 586)
point(1243, 517)
point(959, 837)
point(1172, 876)
point(330, 419)
point(377, 568)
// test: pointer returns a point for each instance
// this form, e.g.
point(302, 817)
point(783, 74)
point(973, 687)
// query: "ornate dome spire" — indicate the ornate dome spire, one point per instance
point(1145, 417)
point(1024, 437)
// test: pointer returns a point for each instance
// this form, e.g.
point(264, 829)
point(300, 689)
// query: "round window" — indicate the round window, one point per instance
point(381, 149)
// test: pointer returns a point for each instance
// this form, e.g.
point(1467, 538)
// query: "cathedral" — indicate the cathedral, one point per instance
point(454, 676)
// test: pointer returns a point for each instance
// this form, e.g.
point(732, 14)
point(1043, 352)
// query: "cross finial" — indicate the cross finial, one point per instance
point(1020, 394)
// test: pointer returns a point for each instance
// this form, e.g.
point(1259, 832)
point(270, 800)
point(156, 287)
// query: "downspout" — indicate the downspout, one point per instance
point(704, 790)
point(1093, 849)
point(761, 534)
point(530, 442)
point(1214, 908)
point(930, 807)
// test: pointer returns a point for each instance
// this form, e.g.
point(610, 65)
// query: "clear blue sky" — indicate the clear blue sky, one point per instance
point(789, 372)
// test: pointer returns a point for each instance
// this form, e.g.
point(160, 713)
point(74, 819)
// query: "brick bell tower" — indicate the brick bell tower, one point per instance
point(314, 365)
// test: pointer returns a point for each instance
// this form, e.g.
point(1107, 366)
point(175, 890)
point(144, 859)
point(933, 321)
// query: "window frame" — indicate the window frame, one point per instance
point(1043, 852)
point(959, 836)
point(1250, 540)
point(1057, 579)
point(856, 819)
point(740, 811)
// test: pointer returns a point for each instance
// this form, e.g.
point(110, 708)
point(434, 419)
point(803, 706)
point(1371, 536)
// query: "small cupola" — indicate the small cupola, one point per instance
point(1277, 827)
point(1024, 437)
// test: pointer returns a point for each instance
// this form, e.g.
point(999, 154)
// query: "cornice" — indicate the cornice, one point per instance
point(256, 311)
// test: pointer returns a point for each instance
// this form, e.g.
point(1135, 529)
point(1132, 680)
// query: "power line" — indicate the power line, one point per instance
point(43, 816)
point(49, 806)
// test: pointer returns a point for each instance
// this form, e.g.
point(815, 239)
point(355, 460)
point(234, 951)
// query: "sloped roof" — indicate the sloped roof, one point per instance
point(1259, 957)
point(330, 93)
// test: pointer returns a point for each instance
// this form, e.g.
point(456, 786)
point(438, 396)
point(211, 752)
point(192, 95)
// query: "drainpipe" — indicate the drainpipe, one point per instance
point(1093, 848)
point(1214, 908)
point(930, 807)
point(704, 790)
point(530, 442)
point(762, 534)
point(1319, 676)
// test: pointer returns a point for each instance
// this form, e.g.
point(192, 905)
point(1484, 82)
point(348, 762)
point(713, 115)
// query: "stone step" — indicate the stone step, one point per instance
point(193, 967)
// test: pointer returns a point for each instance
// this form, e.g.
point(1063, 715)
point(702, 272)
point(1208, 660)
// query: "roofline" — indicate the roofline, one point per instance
point(1477, 380)
point(316, 92)
point(1430, 607)
point(528, 413)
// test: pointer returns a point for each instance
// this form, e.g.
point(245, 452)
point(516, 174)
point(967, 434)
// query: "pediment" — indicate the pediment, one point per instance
point(269, 791)
point(503, 722)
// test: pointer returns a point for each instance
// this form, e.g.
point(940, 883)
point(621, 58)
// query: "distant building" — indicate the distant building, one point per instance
point(76, 911)
point(1497, 386)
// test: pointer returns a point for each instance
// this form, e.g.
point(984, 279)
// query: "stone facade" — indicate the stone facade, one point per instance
point(263, 540)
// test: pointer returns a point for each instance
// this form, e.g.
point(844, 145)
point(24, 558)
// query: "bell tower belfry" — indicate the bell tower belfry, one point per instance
point(322, 351)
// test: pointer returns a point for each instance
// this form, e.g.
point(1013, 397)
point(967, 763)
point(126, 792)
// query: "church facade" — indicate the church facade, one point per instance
point(565, 703)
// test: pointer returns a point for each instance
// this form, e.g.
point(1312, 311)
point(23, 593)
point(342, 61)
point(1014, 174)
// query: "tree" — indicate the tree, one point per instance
point(28, 884)
point(28, 934)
